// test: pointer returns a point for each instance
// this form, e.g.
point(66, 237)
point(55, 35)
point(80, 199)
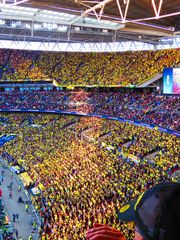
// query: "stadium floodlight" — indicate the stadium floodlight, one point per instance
point(62, 28)
point(77, 29)
point(28, 25)
point(54, 26)
point(49, 26)
point(2, 22)
point(37, 26)
point(14, 24)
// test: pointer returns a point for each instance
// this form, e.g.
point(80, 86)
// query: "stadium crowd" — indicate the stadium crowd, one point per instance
point(83, 180)
point(148, 108)
point(87, 167)
point(86, 68)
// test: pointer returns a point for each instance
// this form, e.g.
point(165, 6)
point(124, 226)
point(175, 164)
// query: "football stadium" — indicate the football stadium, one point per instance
point(89, 120)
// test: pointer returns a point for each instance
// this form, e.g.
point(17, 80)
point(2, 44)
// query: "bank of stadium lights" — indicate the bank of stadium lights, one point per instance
point(54, 26)
point(11, 12)
point(37, 26)
point(62, 28)
point(43, 26)
point(16, 24)
point(29, 25)
point(2, 22)
point(50, 27)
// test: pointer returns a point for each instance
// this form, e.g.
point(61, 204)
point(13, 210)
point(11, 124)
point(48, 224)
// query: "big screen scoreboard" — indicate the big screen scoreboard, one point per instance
point(171, 81)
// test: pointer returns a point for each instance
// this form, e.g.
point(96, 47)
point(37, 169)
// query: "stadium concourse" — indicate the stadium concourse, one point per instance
point(19, 222)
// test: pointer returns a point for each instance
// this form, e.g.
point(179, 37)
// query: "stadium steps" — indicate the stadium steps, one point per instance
point(104, 136)
point(69, 124)
point(152, 155)
point(152, 80)
point(126, 145)
point(84, 134)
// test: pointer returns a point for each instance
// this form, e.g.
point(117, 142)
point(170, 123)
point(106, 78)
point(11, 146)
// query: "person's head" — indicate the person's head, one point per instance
point(156, 212)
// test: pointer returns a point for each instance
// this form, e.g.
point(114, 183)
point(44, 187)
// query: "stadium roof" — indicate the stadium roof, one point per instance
point(79, 21)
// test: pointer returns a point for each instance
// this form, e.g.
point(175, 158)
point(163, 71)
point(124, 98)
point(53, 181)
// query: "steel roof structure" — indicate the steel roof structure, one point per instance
point(149, 23)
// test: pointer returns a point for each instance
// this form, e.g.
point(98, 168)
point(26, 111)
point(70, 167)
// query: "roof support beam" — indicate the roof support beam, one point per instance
point(123, 17)
point(100, 5)
point(13, 2)
point(76, 19)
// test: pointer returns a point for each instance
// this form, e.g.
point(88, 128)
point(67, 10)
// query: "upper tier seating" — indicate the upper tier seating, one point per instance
point(86, 68)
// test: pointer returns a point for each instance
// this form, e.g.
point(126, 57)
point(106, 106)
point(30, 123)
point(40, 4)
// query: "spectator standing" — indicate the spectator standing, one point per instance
point(16, 233)
point(17, 217)
point(27, 208)
point(10, 194)
point(14, 217)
